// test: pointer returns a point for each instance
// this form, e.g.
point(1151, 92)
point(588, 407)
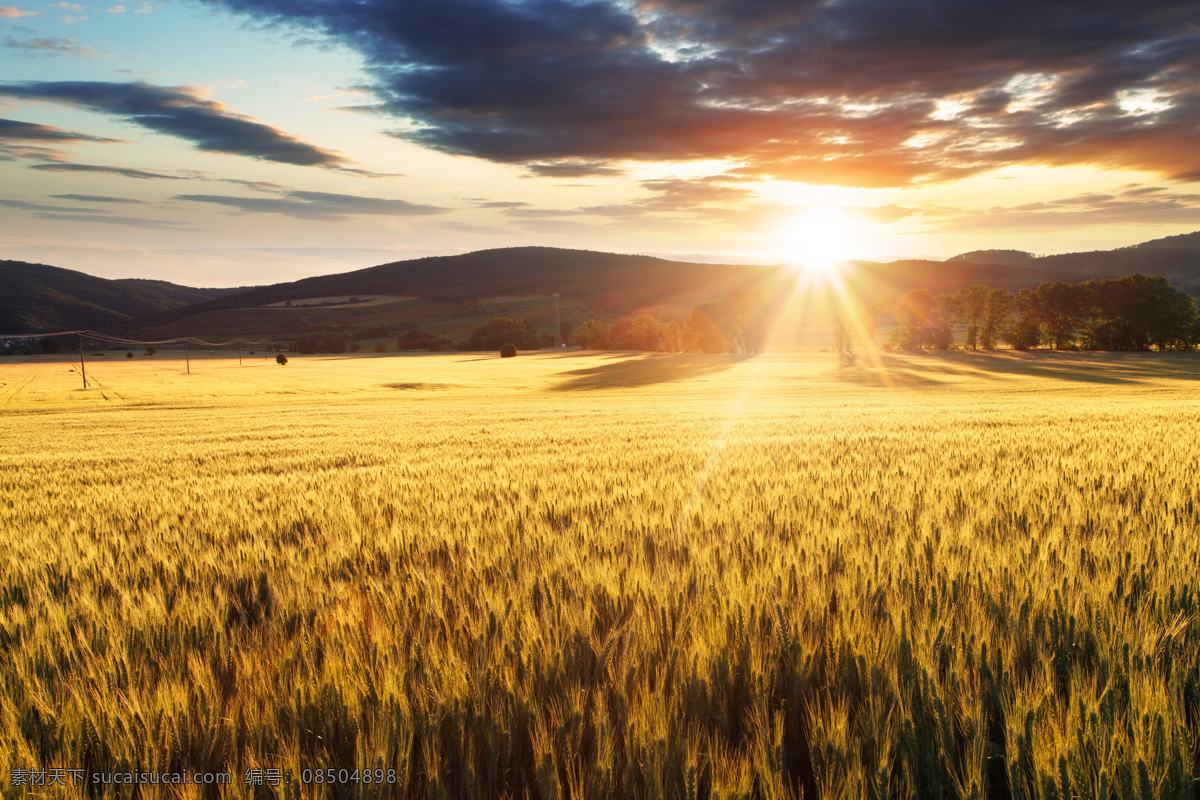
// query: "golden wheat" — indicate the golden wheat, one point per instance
point(603, 576)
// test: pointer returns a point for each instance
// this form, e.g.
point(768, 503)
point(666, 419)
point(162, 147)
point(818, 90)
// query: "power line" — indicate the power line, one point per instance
point(104, 337)
point(110, 339)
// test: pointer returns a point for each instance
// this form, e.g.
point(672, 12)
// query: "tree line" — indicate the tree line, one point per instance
point(1136, 312)
point(737, 323)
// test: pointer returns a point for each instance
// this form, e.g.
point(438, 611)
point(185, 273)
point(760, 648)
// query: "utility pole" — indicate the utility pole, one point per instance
point(82, 368)
point(187, 360)
point(557, 322)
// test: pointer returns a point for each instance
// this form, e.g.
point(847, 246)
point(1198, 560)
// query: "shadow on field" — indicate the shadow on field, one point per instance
point(646, 371)
point(1113, 369)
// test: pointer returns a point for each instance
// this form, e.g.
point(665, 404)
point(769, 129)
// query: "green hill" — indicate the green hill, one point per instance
point(36, 298)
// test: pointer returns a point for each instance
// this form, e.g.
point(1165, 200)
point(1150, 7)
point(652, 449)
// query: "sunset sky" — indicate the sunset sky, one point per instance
point(235, 142)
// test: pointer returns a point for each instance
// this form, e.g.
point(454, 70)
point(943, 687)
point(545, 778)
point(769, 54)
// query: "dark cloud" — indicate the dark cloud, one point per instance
point(181, 112)
point(51, 47)
point(15, 130)
point(702, 198)
point(71, 214)
point(500, 204)
point(125, 172)
point(1119, 208)
point(864, 92)
point(135, 222)
point(15, 152)
point(323, 206)
point(258, 186)
point(99, 198)
point(29, 205)
point(573, 169)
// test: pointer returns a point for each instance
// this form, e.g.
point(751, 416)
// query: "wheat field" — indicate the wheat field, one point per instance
point(569, 576)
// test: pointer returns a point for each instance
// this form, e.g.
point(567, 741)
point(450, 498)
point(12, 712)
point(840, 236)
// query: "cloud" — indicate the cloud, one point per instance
point(12, 12)
point(70, 214)
point(258, 186)
point(52, 47)
point(1118, 209)
point(117, 9)
point(15, 152)
point(136, 222)
point(99, 198)
point(15, 130)
point(573, 168)
point(484, 230)
point(322, 206)
point(28, 205)
point(855, 92)
point(126, 172)
point(184, 113)
point(500, 204)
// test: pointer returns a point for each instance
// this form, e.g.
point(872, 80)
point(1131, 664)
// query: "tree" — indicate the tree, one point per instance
point(594, 334)
point(842, 341)
point(281, 359)
point(1024, 333)
point(150, 351)
point(920, 322)
point(644, 334)
point(308, 345)
point(701, 334)
point(564, 331)
point(672, 337)
point(968, 305)
point(50, 345)
point(1154, 313)
point(508, 351)
point(1059, 308)
point(499, 331)
point(736, 323)
point(997, 309)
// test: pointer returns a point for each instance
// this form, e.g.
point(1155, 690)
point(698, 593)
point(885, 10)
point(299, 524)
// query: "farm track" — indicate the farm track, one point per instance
point(10, 391)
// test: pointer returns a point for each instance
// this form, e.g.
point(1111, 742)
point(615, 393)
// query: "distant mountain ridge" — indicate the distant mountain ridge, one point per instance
point(1008, 258)
point(38, 298)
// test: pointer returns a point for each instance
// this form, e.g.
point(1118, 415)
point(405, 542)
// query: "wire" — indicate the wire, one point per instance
point(104, 337)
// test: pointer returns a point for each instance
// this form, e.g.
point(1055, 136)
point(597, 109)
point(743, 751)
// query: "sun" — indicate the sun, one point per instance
point(819, 240)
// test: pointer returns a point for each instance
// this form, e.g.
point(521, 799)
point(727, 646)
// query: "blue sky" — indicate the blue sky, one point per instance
point(230, 142)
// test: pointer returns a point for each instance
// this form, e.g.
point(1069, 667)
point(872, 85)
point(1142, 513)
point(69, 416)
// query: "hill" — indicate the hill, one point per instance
point(1176, 258)
point(448, 296)
point(37, 298)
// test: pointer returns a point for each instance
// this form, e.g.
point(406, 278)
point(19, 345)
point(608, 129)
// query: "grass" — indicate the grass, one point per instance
point(602, 575)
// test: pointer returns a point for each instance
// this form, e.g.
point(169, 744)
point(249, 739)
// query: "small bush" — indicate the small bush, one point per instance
point(508, 351)
point(281, 359)
point(129, 354)
point(150, 351)
point(380, 347)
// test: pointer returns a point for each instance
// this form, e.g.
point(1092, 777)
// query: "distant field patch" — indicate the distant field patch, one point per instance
point(419, 385)
point(321, 302)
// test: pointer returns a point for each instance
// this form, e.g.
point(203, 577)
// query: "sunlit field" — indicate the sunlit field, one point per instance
point(567, 576)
